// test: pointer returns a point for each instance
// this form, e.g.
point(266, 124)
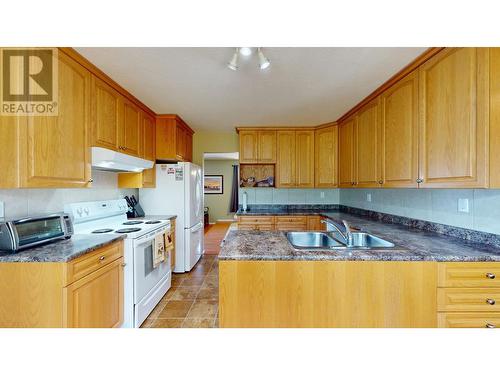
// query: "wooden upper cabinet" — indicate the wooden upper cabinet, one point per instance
point(257, 146)
point(266, 146)
point(132, 129)
point(286, 160)
point(453, 122)
point(494, 118)
point(174, 139)
point(346, 153)
point(249, 140)
point(326, 157)
point(54, 149)
point(400, 133)
point(149, 137)
point(106, 115)
point(304, 155)
point(367, 149)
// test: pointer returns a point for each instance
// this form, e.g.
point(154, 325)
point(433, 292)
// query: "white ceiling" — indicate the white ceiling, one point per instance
point(303, 86)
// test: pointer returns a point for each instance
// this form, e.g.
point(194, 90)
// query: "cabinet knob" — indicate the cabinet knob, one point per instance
point(420, 180)
point(490, 301)
point(102, 258)
point(124, 264)
point(91, 180)
point(380, 182)
point(489, 325)
point(490, 275)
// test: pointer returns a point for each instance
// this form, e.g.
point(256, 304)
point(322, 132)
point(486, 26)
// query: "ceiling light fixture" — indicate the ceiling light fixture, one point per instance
point(233, 64)
point(264, 62)
point(245, 51)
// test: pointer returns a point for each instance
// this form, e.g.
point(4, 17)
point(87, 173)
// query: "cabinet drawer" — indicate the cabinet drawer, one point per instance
point(291, 226)
point(476, 274)
point(86, 264)
point(302, 220)
point(468, 299)
point(268, 220)
point(468, 320)
point(255, 227)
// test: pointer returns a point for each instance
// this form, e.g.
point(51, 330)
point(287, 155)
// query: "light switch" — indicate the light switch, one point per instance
point(368, 197)
point(463, 205)
point(2, 210)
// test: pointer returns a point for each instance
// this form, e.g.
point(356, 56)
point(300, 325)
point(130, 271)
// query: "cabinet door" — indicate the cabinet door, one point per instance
point(453, 105)
point(180, 142)
point(285, 162)
point(304, 155)
point(346, 153)
point(96, 300)
point(148, 150)
point(132, 129)
point(326, 151)
point(249, 146)
point(266, 148)
point(400, 133)
point(55, 149)
point(106, 116)
point(189, 146)
point(367, 148)
point(149, 138)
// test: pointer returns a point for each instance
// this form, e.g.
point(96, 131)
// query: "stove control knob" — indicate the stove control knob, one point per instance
point(86, 210)
point(79, 211)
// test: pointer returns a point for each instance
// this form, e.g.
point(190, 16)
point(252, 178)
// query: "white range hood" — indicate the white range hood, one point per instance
point(108, 160)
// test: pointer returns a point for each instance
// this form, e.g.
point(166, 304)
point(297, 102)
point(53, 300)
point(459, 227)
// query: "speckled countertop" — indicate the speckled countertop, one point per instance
point(62, 251)
point(412, 244)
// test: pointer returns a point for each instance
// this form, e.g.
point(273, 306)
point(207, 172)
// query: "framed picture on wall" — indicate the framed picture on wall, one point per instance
point(213, 184)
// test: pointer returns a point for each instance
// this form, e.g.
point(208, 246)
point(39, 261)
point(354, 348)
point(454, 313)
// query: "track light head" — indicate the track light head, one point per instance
point(233, 63)
point(264, 62)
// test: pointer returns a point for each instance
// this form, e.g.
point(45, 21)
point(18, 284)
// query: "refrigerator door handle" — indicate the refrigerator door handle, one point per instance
point(196, 228)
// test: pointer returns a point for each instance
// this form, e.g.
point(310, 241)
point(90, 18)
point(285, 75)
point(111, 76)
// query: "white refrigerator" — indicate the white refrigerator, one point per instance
point(179, 191)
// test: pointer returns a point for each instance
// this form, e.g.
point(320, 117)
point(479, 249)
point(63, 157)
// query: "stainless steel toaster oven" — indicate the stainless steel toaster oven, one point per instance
point(31, 231)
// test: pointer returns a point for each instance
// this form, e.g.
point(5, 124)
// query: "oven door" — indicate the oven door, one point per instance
point(146, 277)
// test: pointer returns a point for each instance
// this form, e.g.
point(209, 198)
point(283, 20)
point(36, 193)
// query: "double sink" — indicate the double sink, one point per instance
point(336, 239)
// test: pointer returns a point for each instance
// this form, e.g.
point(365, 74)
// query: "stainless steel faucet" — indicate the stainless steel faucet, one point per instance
point(347, 236)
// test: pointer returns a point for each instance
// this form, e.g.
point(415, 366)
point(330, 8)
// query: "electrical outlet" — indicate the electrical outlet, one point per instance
point(322, 195)
point(368, 197)
point(463, 205)
point(2, 210)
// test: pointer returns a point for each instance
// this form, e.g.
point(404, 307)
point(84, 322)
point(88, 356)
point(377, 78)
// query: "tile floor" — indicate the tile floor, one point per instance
point(192, 301)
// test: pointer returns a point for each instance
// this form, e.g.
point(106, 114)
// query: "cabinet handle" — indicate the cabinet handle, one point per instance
point(489, 325)
point(490, 301)
point(124, 264)
point(490, 275)
point(102, 258)
point(420, 180)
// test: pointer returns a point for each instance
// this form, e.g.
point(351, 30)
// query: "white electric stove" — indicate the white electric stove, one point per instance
point(144, 284)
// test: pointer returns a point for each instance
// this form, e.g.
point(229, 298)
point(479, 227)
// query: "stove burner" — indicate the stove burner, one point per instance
point(152, 222)
point(132, 222)
point(105, 230)
point(127, 230)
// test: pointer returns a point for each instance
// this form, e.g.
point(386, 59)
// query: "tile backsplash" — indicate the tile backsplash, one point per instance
point(28, 202)
point(290, 196)
point(435, 205)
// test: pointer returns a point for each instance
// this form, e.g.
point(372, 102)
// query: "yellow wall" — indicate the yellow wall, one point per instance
point(205, 141)
point(218, 204)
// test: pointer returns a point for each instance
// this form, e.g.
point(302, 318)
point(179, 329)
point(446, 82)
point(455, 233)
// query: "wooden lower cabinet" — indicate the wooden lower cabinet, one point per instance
point(320, 294)
point(468, 320)
point(85, 292)
point(95, 300)
point(281, 222)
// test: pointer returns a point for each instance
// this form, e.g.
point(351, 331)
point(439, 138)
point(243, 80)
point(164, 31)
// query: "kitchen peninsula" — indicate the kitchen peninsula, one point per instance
point(432, 277)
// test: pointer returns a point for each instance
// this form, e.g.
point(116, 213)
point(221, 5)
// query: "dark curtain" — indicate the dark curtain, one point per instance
point(234, 202)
